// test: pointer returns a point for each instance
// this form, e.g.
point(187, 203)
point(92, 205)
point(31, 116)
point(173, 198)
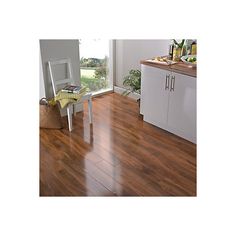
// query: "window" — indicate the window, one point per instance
point(95, 64)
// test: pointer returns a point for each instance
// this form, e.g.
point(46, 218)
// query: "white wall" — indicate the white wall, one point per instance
point(129, 53)
point(41, 79)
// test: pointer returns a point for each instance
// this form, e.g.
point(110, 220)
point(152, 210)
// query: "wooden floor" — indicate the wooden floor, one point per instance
point(120, 155)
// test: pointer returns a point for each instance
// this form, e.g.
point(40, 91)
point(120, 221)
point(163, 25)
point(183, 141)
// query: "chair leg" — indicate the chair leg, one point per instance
point(69, 117)
point(90, 110)
point(74, 110)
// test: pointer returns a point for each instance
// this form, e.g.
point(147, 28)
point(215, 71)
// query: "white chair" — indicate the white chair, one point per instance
point(69, 80)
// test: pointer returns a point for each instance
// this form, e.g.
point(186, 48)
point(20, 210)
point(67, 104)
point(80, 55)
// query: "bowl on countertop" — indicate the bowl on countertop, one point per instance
point(190, 60)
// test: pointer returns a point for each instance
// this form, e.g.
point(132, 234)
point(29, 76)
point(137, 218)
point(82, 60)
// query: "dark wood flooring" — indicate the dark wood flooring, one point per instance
point(119, 155)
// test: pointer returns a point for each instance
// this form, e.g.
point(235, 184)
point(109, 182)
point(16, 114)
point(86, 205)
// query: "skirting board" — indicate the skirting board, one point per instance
point(120, 90)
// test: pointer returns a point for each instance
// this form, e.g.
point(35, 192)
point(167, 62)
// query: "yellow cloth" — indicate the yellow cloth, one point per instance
point(65, 98)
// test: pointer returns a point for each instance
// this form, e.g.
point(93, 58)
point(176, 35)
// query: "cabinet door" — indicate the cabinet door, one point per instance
point(154, 97)
point(182, 107)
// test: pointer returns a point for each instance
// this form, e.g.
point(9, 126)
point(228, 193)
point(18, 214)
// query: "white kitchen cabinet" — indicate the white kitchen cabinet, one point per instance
point(154, 99)
point(168, 100)
point(182, 106)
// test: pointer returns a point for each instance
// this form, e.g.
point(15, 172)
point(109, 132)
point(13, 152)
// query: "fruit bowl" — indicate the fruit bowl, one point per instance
point(190, 60)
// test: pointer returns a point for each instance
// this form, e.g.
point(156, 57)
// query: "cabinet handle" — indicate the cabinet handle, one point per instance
point(172, 83)
point(167, 82)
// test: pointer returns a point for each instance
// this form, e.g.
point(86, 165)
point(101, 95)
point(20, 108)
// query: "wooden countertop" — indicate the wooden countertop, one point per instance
point(179, 67)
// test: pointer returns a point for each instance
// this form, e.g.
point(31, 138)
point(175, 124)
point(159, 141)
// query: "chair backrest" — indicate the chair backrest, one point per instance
point(56, 82)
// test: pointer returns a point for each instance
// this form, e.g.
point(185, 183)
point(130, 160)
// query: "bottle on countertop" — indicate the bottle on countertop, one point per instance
point(177, 53)
point(194, 48)
point(171, 48)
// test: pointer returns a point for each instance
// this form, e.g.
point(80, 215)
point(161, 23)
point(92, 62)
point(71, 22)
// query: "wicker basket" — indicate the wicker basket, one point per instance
point(50, 117)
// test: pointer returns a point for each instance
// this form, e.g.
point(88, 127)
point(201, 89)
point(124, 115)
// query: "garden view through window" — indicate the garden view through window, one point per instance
point(94, 65)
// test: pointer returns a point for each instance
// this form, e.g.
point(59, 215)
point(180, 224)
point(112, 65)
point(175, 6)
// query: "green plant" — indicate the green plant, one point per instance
point(179, 45)
point(101, 72)
point(133, 82)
